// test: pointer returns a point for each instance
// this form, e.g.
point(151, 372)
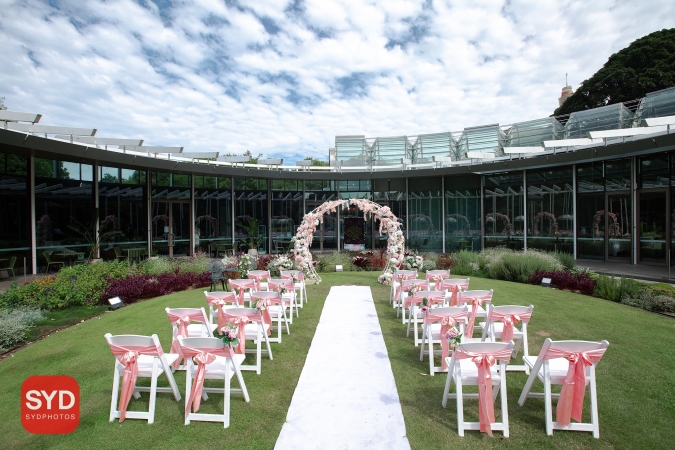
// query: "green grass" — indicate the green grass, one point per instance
point(636, 378)
point(81, 352)
point(62, 318)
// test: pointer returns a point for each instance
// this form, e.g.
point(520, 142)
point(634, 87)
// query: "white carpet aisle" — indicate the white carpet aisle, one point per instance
point(346, 397)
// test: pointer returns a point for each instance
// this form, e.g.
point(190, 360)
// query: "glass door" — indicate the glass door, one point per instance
point(653, 225)
point(171, 228)
point(618, 227)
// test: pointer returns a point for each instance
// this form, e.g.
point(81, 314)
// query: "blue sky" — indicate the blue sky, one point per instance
point(283, 78)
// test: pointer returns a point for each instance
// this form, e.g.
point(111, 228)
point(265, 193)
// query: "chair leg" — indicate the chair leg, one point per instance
point(115, 393)
point(594, 404)
point(226, 393)
point(153, 392)
point(504, 406)
point(188, 390)
point(548, 401)
point(424, 338)
point(460, 407)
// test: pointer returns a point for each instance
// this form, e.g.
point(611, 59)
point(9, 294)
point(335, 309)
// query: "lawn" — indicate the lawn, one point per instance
point(636, 378)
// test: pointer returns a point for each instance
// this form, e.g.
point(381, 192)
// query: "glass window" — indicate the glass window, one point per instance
point(462, 213)
point(316, 193)
point(109, 174)
point(549, 210)
point(654, 171)
point(15, 239)
point(87, 172)
point(425, 221)
point(503, 205)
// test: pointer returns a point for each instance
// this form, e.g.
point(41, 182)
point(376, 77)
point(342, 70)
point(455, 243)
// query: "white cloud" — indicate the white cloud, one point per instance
point(283, 78)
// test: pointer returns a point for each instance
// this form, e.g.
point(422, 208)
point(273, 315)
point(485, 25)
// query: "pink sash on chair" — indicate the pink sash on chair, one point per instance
point(418, 297)
point(454, 288)
point(266, 300)
point(181, 323)
point(399, 277)
point(509, 321)
point(437, 276)
point(222, 300)
point(475, 302)
point(240, 322)
point(447, 322)
point(257, 276)
point(276, 285)
point(239, 286)
point(296, 275)
point(202, 358)
point(128, 357)
point(571, 400)
point(486, 403)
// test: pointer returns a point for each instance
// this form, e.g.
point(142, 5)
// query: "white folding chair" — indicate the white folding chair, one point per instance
point(472, 364)
point(298, 278)
point(500, 325)
point(275, 308)
point(243, 288)
point(181, 319)
point(258, 276)
point(572, 365)
point(138, 356)
point(252, 327)
point(288, 297)
point(218, 302)
point(437, 276)
point(473, 299)
point(453, 286)
point(209, 359)
point(415, 313)
point(437, 322)
point(422, 285)
point(396, 279)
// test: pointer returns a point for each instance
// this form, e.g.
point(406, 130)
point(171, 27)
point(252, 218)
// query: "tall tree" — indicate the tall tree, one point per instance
point(646, 65)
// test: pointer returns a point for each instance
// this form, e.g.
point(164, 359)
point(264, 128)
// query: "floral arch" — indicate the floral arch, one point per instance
point(388, 223)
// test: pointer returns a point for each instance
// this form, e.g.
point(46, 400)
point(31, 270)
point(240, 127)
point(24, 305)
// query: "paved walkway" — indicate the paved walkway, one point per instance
point(346, 397)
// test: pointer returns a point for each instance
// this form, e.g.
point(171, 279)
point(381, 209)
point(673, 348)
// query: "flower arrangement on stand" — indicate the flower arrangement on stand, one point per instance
point(385, 278)
point(246, 263)
point(453, 337)
point(425, 305)
point(228, 334)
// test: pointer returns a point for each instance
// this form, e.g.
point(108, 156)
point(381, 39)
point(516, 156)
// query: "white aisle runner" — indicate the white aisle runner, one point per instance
point(346, 397)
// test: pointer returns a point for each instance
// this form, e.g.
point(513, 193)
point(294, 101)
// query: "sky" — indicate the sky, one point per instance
point(282, 78)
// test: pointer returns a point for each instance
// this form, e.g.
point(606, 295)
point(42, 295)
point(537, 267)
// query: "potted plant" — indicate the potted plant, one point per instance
point(254, 239)
point(88, 232)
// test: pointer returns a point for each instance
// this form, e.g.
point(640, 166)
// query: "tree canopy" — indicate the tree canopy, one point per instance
point(646, 65)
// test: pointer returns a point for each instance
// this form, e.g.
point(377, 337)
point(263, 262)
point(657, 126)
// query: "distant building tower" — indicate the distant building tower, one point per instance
point(566, 93)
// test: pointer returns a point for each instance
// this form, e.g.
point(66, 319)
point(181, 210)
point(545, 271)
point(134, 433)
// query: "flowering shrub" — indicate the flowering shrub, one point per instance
point(564, 279)
point(385, 278)
point(412, 262)
point(135, 287)
point(279, 263)
point(14, 323)
point(81, 284)
point(362, 262)
point(444, 262)
point(428, 265)
point(246, 263)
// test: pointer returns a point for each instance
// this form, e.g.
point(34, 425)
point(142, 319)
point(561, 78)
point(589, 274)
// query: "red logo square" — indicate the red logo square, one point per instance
point(50, 404)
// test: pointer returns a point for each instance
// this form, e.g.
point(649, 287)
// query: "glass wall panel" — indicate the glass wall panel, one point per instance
point(250, 209)
point(122, 212)
point(61, 199)
point(549, 210)
point(166, 217)
point(503, 207)
point(355, 189)
point(425, 217)
point(462, 213)
point(14, 213)
point(213, 203)
point(590, 211)
point(316, 193)
point(287, 213)
point(654, 171)
point(390, 193)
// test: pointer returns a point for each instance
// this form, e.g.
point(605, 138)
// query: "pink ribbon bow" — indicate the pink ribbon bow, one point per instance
point(453, 298)
point(446, 324)
point(475, 303)
point(256, 279)
point(202, 359)
point(509, 321)
point(128, 357)
point(486, 404)
point(182, 324)
point(486, 411)
point(240, 322)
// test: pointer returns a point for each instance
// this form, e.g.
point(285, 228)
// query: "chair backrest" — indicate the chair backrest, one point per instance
point(498, 350)
point(276, 283)
point(470, 296)
point(447, 284)
point(122, 343)
point(509, 315)
point(253, 314)
point(216, 268)
point(559, 349)
point(195, 314)
point(118, 252)
point(12, 261)
point(437, 273)
point(423, 284)
point(273, 297)
point(459, 314)
point(193, 346)
point(257, 276)
point(434, 297)
point(291, 274)
point(48, 256)
point(404, 275)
